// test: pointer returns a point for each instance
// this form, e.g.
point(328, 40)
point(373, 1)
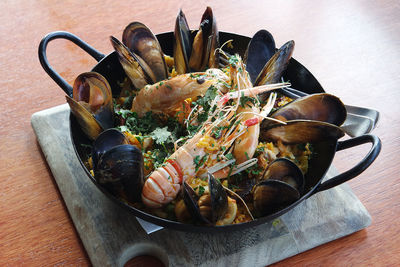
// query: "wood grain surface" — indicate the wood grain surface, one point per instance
point(351, 47)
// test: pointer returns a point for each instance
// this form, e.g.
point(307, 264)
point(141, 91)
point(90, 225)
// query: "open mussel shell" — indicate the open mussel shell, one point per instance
point(91, 103)
point(270, 196)
point(93, 91)
point(89, 125)
point(141, 41)
point(318, 107)
point(182, 44)
point(219, 198)
point(287, 171)
point(209, 208)
point(135, 68)
point(120, 171)
point(259, 50)
point(206, 41)
point(301, 131)
point(276, 65)
point(105, 141)
point(191, 199)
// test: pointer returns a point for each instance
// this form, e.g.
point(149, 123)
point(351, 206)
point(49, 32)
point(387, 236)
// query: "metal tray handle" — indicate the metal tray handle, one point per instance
point(45, 63)
point(360, 167)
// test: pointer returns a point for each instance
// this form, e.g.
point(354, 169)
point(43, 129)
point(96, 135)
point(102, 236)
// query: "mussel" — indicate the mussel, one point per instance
point(259, 50)
point(182, 44)
point(264, 63)
point(134, 66)
point(301, 131)
point(118, 166)
point(201, 53)
point(142, 42)
point(276, 65)
point(214, 207)
point(285, 170)
point(282, 184)
point(91, 103)
point(318, 107)
point(105, 141)
point(270, 196)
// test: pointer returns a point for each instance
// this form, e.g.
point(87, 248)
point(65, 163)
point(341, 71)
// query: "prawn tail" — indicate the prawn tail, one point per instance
point(162, 186)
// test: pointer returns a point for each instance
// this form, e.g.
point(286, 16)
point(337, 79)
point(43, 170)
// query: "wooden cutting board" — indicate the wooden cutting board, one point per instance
point(111, 235)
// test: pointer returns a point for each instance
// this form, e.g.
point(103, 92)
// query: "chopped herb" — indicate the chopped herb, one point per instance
point(123, 128)
point(196, 160)
point(140, 139)
point(124, 113)
point(229, 156)
point(205, 103)
point(199, 161)
point(245, 99)
point(233, 60)
point(217, 131)
point(201, 190)
point(230, 171)
point(161, 135)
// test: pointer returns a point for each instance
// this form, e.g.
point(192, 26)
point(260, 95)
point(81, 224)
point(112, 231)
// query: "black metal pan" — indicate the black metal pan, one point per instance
point(297, 74)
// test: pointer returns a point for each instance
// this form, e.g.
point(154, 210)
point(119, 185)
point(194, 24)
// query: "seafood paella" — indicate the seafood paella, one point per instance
point(202, 136)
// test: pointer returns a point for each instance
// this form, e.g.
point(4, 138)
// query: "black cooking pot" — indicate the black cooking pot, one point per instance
point(297, 74)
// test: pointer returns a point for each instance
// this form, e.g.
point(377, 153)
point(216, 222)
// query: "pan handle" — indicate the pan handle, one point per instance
point(45, 63)
point(360, 167)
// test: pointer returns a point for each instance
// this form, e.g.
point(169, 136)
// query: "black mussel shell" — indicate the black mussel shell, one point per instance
point(142, 42)
point(182, 44)
point(134, 66)
point(276, 65)
point(87, 122)
point(301, 131)
point(259, 50)
point(219, 198)
point(318, 107)
point(93, 91)
point(120, 170)
point(244, 185)
point(205, 43)
point(91, 103)
point(270, 196)
point(191, 202)
point(217, 202)
point(287, 171)
point(105, 141)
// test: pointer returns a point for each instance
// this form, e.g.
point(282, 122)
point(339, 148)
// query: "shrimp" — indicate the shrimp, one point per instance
point(164, 183)
point(168, 95)
point(252, 115)
point(246, 144)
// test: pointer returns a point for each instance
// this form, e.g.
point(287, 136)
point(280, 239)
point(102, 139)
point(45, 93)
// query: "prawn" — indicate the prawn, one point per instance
point(246, 144)
point(168, 95)
point(164, 183)
point(252, 115)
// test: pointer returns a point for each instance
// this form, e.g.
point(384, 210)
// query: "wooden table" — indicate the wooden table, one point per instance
point(352, 47)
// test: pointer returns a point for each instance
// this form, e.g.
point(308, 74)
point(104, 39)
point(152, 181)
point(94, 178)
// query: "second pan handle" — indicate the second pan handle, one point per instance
point(45, 63)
